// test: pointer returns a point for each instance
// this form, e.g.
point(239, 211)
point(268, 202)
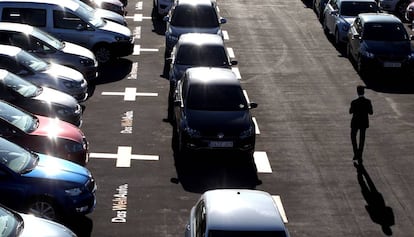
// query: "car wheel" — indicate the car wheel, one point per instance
point(181, 144)
point(43, 208)
point(348, 51)
point(325, 27)
point(361, 67)
point(103, 53)
point(337, 39)
point(401, 8)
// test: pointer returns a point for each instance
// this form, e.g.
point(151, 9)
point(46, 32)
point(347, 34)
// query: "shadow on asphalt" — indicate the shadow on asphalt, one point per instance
point(390, 82)
point(80, 225)
point(376, 207)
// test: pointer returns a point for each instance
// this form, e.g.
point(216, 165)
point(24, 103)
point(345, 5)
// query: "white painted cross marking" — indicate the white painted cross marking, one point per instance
point(279, 205)
point(138, 6)
point(130, 93)
point(231, 52)
point(256, 125)
point(137, 32)
point(134, 71)
point(225, 35)
point(123, 156)
point(262, 162)
point(138, 50)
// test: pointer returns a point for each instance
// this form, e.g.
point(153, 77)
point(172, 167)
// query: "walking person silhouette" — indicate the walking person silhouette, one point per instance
point(360, 108)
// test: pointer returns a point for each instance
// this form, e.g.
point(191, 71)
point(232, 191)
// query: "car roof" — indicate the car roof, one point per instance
point(378, 17)
point(242, 209)
point(194, 2)
point(9, 50)
point(200, 39)
point(16, 27)
point(67, 3)
point(211, 75)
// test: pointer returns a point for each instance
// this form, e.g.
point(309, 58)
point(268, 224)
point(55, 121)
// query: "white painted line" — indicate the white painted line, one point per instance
point(237, 72)
point(137, 49)
point(262, 162)
point(102, 155)
point(124, 156)
point(137, 17)
point(134, 72)
point(149, 50)
point(130, 94)
point(144, 157)
point(279, 205)
point(137, 32)
point(256, 125)
point(246, 96)
point(138, 6)
point(225, 35)
point(146, 94)
point(231, 52)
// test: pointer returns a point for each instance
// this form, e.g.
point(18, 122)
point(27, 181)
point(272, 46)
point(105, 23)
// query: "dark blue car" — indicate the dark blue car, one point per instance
point(42, 185)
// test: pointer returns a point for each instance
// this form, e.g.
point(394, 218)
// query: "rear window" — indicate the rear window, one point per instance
point(194, 16)
point(385, 32)
point(30, 16)
point(213, 56)
point(354, 8)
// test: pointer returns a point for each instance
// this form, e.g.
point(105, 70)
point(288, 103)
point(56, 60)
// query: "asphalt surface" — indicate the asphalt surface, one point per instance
point(303, 85)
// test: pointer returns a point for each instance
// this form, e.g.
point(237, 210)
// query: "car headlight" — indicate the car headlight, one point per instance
point(247, 133)
point(74, 147)
point(86, 61)
point(64, 112)
point(411, 56)
point(192, 132)
point(71, 84)
point(345, 27)
point(73, 191)
point(120, 38)
point(172, 38)
point(367, 54)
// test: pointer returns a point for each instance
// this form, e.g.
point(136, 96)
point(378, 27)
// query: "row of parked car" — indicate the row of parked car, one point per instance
point(49, 53)
point(210, 111)
point(373, 39)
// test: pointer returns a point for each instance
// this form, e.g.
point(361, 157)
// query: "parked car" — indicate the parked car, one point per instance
point(46, 186)
point(49, 48)
point(14, 224)
point(396, 7)
point(43, 134)
point(318, 7)
point(191, 16)
point(409, 13)
point(162, 7)
point(379, 40)
point(39, 100)
point(103, 13)
point(71, 21)
point(195, 50)
point(212, 112)
point(235, 212)
point(339, 15)
point(43, 73)
point(110, 5)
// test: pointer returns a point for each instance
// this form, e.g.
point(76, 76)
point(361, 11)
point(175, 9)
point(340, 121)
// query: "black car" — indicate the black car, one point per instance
point(379, 40)
point(212, 112)
point(39, 100)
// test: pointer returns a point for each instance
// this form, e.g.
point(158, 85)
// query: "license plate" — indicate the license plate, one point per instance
point(392, 64)
point(220, 144)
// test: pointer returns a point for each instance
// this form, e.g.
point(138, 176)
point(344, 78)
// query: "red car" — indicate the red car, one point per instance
point(43, 134)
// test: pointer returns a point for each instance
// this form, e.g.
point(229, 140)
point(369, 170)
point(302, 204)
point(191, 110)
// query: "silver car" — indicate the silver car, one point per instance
point(43, 73)
point(47, 47)
point(39, 100)
point(191, 16)
point(236, 212)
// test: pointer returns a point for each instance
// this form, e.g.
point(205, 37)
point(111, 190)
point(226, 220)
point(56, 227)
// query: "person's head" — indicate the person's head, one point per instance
point(360, 90)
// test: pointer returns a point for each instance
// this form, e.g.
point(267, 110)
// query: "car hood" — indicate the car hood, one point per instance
point(397, 48)
point(75, 49)
point(53, 96)
point(52, 127)
point(211, 122)
point(63, 72)
point(349, 19)
point(55, 168)
point(117, 28)
point(109, 15)
point(33, 226)
point(177, 31)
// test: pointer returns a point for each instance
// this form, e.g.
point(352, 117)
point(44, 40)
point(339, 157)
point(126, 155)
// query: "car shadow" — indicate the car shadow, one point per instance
point(308, 3)
point(158, 23)
point(390, 82)
point(80, 225)
point(113, 71)
point(376, 207)
point(199, 171)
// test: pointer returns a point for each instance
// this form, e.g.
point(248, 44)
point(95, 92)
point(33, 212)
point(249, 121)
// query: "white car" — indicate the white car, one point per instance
point(397, 7)
point(235, 212)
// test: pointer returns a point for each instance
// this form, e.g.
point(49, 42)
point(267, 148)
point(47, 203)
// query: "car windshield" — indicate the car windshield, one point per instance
point(216, 98)
point(29, 60)
point(49, 39)
point(87, 13)
point(384, 32)
point(16, 158)
point(9, 224)
point(22, 120)
point(214, 56)
point(226, 233)
point(354, 8)
point(21, 86)
point(194, 16)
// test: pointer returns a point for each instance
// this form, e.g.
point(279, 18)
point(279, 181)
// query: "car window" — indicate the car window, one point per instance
point(384, 32)
point(202, 56)
point(216, 98)
point(18, 118)
point(34, 17)
point(30, 61)
point(66, 20)
point(21, 86)
point(194, 16)
point(354, 8)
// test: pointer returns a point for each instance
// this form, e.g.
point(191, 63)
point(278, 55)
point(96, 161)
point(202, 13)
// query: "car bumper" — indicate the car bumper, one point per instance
point(79, 205)
point(385, 63)
point(236, 144)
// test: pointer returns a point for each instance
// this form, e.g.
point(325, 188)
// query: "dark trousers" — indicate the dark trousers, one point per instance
point(358, 149)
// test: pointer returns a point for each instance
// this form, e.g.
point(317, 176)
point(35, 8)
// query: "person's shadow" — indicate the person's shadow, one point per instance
point(376, 207)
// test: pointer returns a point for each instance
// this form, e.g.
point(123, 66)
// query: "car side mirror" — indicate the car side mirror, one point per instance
point(334, 12)
point(80, 27)
point(234, 62)
point(223, 20)
point(411, 37)
point(356, 36)
point(166, 18)
point(177, 102)
point(253, 105)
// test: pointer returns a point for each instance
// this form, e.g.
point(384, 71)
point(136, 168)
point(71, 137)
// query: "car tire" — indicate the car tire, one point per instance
point(325, 27)
point(361, 68)
point(103, 53)
point(337, 39)
point(400, 9)
point(43, 208)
